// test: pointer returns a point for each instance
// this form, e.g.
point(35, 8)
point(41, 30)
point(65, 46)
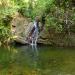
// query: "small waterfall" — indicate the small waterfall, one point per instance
point(34, 34)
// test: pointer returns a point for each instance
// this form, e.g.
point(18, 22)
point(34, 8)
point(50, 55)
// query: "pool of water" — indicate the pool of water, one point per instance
point(41, 60)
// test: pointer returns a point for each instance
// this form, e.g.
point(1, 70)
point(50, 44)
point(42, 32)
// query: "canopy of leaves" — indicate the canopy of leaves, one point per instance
point(59, 14)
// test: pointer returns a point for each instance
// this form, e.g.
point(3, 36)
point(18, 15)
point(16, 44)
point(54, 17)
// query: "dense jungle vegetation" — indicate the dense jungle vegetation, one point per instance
point(57, 14)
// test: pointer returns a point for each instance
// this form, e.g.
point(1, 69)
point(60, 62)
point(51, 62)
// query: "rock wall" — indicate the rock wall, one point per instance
point(21, 27)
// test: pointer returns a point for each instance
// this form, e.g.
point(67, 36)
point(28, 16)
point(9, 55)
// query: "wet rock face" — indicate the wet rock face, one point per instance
point(21, 27)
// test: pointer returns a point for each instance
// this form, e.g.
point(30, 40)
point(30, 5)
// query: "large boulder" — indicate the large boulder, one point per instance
point(21, 27)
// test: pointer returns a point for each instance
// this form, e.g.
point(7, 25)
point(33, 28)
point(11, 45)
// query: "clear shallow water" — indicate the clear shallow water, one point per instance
point(25, 60)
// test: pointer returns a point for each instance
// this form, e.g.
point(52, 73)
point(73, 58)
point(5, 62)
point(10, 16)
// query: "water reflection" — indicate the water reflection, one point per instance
point(35, 55)
point(31, 56)
point(33, 60)
point(31, 52)
point(35, 49)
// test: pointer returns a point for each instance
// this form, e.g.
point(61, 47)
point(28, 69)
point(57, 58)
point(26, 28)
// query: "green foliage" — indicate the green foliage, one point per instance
point(43, 6)
point(4, 33)
point(53, 22)
point(59, 14)
point(5, 28)
point(7, 9)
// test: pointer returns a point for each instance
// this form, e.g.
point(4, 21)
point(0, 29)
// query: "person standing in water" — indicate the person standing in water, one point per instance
point(33, 36)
